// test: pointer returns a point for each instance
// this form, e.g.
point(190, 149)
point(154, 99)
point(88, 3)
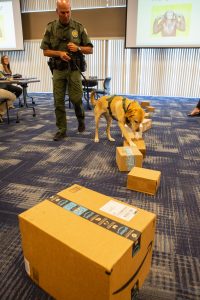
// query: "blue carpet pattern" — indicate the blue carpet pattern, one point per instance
point(33, 167)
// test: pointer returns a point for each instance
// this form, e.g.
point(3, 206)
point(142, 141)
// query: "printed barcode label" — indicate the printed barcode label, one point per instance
point(119, 210)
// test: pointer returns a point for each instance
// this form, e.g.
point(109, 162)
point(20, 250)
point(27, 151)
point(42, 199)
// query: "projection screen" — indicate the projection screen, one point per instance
point(162, 23)
point(11, 36)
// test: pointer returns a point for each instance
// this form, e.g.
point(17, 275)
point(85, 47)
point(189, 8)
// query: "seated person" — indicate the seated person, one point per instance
point(5, 71)
point(196, 111)
point(5, 95)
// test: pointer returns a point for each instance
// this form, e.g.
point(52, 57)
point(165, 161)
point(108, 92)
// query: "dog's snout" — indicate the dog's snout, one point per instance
point(137, 127)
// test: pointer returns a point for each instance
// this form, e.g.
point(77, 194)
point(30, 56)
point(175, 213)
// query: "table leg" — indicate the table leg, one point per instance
point(25, 106)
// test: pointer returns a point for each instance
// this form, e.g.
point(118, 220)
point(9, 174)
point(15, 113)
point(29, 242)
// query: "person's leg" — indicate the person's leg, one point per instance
point(75, 94)
point(195, 111)
point(14, 89)
point(59, 89)
point(4, 94)
point(2, 110)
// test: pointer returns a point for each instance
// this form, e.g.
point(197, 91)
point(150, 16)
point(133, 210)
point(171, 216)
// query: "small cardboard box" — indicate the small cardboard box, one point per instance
point(143, 180)
point(147, 115)
point(145, 103)
point(146, 124)
point(150, 108)
point(140, 145)
point(80, 244)
point(128, 157)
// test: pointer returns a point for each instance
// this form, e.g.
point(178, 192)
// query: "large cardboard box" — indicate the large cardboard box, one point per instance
point(143, 180)
point(140, 145)
point(128, 157)
point(83, 245)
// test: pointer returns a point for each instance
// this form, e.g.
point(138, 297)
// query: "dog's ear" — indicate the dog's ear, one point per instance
point(135, 110)
point(132, 109)
point(130, 113)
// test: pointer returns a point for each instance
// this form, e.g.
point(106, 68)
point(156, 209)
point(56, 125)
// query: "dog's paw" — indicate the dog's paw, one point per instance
point(111, 140)
point(96, 140)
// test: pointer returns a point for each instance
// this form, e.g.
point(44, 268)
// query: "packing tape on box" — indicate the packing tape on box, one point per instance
point(130, 159)
point(99, 219)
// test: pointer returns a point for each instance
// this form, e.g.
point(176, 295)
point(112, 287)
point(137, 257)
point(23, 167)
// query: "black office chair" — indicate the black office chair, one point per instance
point(88, 86)
point(106, 88)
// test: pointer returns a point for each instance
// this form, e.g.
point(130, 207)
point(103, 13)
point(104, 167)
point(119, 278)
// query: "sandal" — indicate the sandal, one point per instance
point(197, 114)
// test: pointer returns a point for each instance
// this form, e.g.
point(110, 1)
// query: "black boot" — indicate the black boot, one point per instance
point(81, 125)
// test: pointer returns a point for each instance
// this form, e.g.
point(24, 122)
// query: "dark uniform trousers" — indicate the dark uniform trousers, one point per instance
point(72, 81)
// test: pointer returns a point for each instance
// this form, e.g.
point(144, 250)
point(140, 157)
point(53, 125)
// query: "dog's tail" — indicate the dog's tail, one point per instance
point(92, 98)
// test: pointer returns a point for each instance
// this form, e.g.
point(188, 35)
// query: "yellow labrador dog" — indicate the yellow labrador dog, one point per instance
point(123, 110)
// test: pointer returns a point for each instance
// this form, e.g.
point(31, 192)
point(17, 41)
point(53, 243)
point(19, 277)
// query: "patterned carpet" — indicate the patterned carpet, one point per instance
point(34, 167)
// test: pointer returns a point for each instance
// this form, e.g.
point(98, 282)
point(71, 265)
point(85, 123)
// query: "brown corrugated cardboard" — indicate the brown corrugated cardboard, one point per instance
point(150, 108)
point(147, 115)
point(145, 103)
point(128, 157)
point(146, 124)
point(81, 244)
point(140, 145)
point(133, 135)
point(143, 180)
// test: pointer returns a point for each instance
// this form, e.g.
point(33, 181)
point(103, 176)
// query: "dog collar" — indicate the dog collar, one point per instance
point(124, 106)
point(126, 109)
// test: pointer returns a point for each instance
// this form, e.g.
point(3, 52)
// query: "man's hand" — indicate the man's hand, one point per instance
point(65, 56)
point(72, 47)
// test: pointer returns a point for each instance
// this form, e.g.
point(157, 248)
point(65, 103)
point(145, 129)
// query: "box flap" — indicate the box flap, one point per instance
point(147, 173)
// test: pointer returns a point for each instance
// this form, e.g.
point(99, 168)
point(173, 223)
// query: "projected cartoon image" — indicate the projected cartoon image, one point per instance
point(169, 23)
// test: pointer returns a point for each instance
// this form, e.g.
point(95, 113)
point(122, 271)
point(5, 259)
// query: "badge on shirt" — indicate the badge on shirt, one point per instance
point(75, 33)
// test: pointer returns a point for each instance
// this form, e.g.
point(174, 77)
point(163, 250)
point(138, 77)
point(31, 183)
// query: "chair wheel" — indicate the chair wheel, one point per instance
point(17, 121)
point(34, 115)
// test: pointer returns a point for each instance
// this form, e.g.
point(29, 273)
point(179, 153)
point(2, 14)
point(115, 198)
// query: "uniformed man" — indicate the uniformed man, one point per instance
point(66, 41)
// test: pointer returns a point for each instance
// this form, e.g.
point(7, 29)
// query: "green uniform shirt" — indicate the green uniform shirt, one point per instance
point(57, 35)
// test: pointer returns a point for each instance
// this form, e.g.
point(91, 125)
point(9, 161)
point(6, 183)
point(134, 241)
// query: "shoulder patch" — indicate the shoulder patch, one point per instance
point(75, 33)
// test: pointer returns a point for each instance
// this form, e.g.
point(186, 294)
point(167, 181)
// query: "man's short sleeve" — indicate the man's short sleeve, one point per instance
point(45, 44)
point(86, 39)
